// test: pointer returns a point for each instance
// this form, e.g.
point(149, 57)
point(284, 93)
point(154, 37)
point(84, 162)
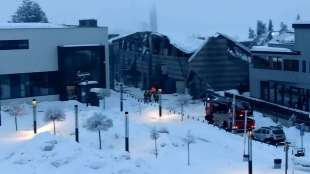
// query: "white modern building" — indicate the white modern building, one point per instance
point(43, 60)
point(281, 75)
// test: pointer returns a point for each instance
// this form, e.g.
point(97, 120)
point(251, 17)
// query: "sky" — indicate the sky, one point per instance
point(184, 17)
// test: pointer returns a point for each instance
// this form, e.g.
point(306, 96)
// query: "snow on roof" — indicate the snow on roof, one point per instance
point(244, 48)
point(283, 38)
point(29, 25)
point(271, 49)
point(188, 44)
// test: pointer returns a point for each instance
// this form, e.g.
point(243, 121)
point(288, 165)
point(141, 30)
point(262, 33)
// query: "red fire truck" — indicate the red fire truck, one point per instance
point(219, 111)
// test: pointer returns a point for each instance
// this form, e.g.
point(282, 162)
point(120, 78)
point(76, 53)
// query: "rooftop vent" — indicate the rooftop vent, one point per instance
point(88, 23)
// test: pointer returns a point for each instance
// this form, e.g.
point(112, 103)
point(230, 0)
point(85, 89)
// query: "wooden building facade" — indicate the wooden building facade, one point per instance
point(220, 64)
point(145, 59)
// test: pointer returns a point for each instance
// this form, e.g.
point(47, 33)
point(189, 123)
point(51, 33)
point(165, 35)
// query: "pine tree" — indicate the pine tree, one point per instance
point(298, 17)
point(29, 11)
point(251, 33)
point(260, 28)
point(283, 27)
point(270, 26)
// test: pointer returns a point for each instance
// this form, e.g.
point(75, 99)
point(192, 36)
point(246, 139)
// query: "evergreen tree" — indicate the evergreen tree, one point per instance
point(251, 33)
point(260, 28)
point(29, 11)
point(283, 27)
point(270, 26)
point(298, 17)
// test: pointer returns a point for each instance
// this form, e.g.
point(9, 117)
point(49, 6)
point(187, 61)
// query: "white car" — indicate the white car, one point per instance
point(272, 134)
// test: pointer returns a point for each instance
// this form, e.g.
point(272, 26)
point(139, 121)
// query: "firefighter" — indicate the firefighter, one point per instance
point(156, 97)
point(145, 96)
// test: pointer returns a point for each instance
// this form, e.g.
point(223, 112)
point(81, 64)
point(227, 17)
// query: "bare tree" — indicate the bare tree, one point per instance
point(55, 114)
point(154, 136)
point(98, 122)
point(183, 100)
point(189, 139)
point(16, 110)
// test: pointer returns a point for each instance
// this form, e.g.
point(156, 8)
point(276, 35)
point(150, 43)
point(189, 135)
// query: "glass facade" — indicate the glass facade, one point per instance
point(28, 85)
point(74, 61)
point(14, 44)
point(285, 94)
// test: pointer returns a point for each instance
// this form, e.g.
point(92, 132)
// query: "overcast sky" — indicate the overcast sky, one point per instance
point(204, 17)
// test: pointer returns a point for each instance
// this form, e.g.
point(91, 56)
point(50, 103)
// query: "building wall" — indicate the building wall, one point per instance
point(217, 68)
point(42, 53)
point(302, 42)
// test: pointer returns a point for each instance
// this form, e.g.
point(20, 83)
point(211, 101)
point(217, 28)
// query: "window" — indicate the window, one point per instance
point(291, 65)
point(304, 66)
point(14, 44)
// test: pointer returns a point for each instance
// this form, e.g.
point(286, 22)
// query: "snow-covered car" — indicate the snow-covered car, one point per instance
point(272, 134)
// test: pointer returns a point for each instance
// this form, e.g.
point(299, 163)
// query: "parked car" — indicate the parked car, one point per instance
point(271, 134)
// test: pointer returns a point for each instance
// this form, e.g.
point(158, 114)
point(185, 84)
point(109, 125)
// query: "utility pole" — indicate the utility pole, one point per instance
point(34, 109)
point(250, 153)
point(122, 98)
point(76, 123)
point(286, 149)
point(160, 102)
point(126, 132)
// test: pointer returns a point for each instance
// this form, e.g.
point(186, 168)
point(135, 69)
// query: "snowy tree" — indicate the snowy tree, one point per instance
point(251, 33)
point(16, 110)
point(260, 28)
point(183, 100)
point(189, 139)
point(29, 11)
point(98, 122)
point(283, 27)
point(298, 17)
point(154, 136)
point(54, 114)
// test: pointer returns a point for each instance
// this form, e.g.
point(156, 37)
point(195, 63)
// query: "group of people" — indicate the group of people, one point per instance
point(151, 95)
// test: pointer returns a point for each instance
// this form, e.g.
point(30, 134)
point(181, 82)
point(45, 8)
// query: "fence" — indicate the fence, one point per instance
point(274, 109)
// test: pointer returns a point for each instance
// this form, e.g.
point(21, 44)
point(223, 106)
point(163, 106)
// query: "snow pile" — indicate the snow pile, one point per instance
point(213, 148)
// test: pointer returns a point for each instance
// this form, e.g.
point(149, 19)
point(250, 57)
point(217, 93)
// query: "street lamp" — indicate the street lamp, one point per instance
point(160, 102)
point(34, 107)
point(126, 132)
point(250, 167)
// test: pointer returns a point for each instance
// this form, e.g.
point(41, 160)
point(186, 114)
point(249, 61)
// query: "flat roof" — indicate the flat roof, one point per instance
point(30, 25)
point(301, 24)
point(273, 50)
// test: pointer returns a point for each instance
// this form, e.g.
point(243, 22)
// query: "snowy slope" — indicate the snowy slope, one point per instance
point(215, 150)
point(205, 17)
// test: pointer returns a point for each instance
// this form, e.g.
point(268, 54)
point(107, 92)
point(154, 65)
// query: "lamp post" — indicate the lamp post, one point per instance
point(34, 107)
point(126, 132)
point(76, 123)
point(245, 156)
point(160, 102)
point(286, 149)
point(250, 152)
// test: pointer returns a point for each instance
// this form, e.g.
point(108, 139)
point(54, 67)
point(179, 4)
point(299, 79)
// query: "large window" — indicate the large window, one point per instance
point(291, 65)
point(14, 44)
point(28, 85)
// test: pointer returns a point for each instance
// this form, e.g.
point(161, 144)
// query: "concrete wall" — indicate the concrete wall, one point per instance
point(42, 53)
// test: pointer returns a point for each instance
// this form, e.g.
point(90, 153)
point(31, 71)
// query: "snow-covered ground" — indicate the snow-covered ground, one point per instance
point(215, 150)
